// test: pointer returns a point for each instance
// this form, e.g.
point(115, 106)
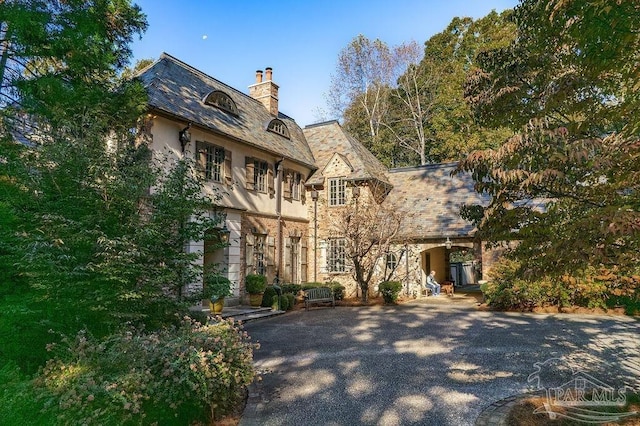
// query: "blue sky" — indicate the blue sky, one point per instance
point(300, 40)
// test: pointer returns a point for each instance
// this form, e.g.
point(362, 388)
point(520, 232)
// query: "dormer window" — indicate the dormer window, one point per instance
point(221, 100)
point(278, 126)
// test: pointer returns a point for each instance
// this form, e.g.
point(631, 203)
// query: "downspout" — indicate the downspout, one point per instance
point(280, 242)
point(406, 255)
point(314, 197)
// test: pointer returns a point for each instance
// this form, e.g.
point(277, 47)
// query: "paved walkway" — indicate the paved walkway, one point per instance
point(423, 363)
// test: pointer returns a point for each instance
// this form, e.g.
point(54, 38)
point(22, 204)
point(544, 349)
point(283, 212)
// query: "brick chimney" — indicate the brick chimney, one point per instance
point(265, 91)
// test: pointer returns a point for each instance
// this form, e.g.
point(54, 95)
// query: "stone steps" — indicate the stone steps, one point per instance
point(246, 313)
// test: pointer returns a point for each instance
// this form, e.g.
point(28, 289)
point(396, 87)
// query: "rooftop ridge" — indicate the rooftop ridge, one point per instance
point(322, 123)
point(423, 167)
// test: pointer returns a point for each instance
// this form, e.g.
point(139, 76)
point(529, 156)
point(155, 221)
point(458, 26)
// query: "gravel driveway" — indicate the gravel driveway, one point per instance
point(422, 363)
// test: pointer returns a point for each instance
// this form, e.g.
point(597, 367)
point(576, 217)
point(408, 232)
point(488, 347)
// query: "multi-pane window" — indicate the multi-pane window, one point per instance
point(221, 100)
point(392, 261)
point(336, 255)
point(214, 163)
point(277, 126)
point(337, 192)
point(259, 254)
point(260, 171)
point(295, 184)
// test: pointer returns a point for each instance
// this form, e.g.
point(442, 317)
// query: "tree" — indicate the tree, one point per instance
point(566, 186)
point(58, 57)
point(408, 107)
point(85, 242)
point(359, 91)
point(449, 57)
point(368, 227)
point(410, 121)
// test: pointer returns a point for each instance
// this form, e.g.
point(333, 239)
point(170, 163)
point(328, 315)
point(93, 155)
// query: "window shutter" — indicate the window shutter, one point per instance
point(324, 260)
point(248, 253)
point(250, 169)
point(201, 157)
point(303, 260)
point(227, 167)
point(287, 183)
point(271, 248)
point(303, 190)
point(270, 180)
point(287, 260)
point(271, 256)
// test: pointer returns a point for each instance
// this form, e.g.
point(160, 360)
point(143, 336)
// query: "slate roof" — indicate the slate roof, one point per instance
point(178, 90)
point(328, 138)
point(429, 199)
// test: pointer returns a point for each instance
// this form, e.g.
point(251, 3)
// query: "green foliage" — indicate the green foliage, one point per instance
point(284, 302)
point(420, 116)
point(590, 289)
point(178, 375)
point(83, 242)
point(310, 285)
point(566, 185)
point(291, 300)
point(338, 289)
point(215, 285)
point(255, 283)
point(390, 291)
point(291, 288)
point(63, 58)
point(269, 297)
point(19, 403)
point(86, 257)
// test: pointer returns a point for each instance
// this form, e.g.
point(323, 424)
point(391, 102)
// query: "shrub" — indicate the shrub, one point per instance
point(508, 290)
point(255, 283)
point(338, 290)
point(292, 300)
point(308, 286)
point(284, 302)
point(268, 297)
point(19, 400)
point(291, 288)
point(390, 291)
point(191, 373)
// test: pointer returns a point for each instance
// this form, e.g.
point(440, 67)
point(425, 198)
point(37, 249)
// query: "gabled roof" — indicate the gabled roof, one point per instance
point(178, 90)
point(329, 138)
point(429, 199)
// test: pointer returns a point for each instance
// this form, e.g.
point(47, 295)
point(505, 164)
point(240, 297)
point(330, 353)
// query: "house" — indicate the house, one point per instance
point(278, 184)
point(428, 198)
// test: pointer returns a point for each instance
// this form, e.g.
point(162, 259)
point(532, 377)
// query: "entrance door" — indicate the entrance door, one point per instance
point(455, 275)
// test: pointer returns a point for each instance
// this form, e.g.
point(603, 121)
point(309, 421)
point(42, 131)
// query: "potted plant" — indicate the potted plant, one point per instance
point(216, 288)
point(255, 285)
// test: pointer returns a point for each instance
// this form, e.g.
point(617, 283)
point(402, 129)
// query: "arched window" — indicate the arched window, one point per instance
point(278, 126)
point(392, 261)
point(221, 100)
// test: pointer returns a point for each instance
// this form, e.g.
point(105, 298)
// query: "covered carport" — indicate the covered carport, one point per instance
point(429, 199)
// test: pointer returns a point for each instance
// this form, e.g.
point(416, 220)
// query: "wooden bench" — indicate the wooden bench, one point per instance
point(318, 295)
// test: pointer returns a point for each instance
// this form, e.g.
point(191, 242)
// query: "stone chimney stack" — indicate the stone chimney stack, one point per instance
point(265, 91)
